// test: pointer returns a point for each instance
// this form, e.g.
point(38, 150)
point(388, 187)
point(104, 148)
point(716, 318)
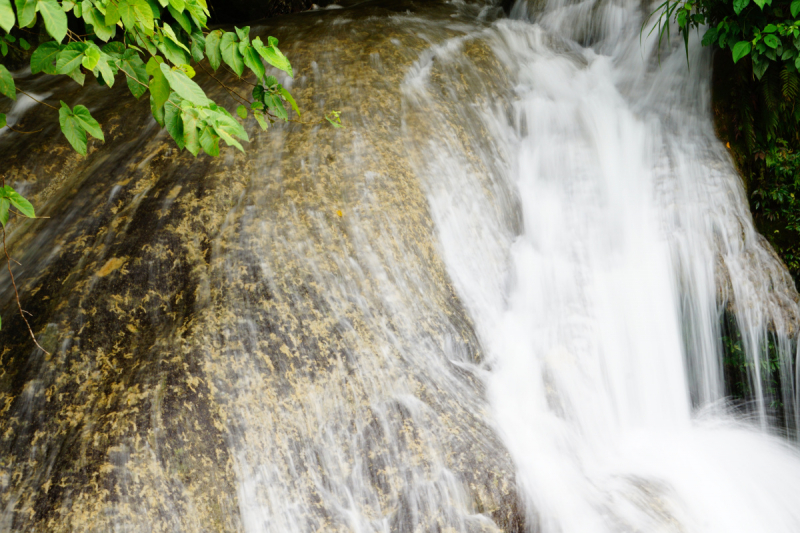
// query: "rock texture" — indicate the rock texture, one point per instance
point(261, 341)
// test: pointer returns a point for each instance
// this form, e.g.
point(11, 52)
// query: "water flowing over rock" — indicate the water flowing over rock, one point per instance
point(490, 303)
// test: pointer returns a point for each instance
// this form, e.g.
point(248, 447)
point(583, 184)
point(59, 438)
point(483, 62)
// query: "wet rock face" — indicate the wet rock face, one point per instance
point(264, 341)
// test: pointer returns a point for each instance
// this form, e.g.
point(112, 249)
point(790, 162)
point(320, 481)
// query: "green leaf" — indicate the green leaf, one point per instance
point(55, 20)
point(710, 36)
point(126, 14)
point(72, 129)
point(159, 86)
point(253, 62)
point(772, 41)
point(288, 97)
point(112, 14)
point(78, 76)
point(7, 18)
point(7, 86)
point(243, 34)
point(181, 19)
point(188, 70)
point(3, 48)
point(258, 93)
point(97, 20)
point(23, 205)
point(759, 3)
point(222, 120)
point(209, 141)
point(272, 55)
point(275, 104)
point(114, 48)
point(213, 51)
point(44, 58)
point(136, 72)
point(759, 67)
point(231, 54)
point(70, 57)
point(186, 88)
point(177, 5)
point(156, 8)
point(24, 44)
point(795, 8)
point(242, 111)
point(741, 49)
point(190, 137)
point(681, 18)
point(770, 28)
point(154, 65)
point(87, 122)
point(739, 5)
point(26, 12)
point(260, 119)
point(199, 14)
point(198, 45)
point(173, 52)
point(108, 68)
point(271, 81)
point(3, 120)
point(230, 141)
point(91, 56)
point(167, 29)
point(158, 112)
point(136, 11)
point(5, 203)
point(173, 121)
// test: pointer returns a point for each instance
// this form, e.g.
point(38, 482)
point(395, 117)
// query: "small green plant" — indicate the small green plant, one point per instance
point(768, 31)
point(761, 38)
point(740, 372)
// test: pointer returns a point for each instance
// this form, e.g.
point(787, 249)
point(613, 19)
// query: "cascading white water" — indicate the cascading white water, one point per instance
point(601, 314)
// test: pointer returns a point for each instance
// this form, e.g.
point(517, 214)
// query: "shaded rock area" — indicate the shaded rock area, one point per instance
point(260, 341)
point(238, 11)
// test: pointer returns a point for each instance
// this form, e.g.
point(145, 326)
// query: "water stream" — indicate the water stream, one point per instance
point(601, 314)
point(495, 301)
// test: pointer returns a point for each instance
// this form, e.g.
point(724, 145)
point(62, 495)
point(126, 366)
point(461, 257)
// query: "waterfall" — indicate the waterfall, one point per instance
point(600, 311)
point(495, 301)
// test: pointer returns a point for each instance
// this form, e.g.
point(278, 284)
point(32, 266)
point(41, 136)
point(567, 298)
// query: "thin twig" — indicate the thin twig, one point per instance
point(16, 293)
point(36, 99)
point(13, 281)
point(231, 91)
point(21, 131)
point(129, 76)
point(240, 77)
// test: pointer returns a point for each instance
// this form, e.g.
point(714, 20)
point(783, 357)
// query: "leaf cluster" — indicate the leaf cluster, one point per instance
point(766, 31)
point(154, 44)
